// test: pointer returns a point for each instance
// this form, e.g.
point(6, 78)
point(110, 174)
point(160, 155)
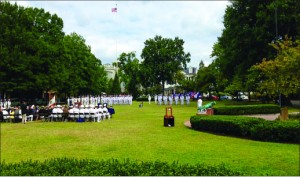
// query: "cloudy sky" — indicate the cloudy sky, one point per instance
point(198, 23)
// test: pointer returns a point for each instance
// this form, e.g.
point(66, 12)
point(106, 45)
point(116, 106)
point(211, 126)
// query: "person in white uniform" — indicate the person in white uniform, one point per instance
point(165, 99)
point(170, 100)
point(176, 99)
point(182, 99)
point(149, 99)
point(188, 99)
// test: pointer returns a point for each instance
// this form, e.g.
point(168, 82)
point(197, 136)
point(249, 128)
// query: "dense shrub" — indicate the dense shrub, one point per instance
point(237, 126)
point(254, 128)
point(294, 116)
point(247, 109)
point(88, 167)
point(242, 102)
point(278, 131)
point(142, 99)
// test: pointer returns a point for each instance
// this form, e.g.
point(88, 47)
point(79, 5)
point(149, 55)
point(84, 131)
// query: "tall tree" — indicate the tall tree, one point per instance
point(85, 73)
point(116, 87)
point(129, 72)
point(30, 43)
point(36, 56)
point(249, 28)
point(162, 58)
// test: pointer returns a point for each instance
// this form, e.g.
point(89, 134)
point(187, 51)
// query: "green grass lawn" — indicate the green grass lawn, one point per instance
point(139, 134)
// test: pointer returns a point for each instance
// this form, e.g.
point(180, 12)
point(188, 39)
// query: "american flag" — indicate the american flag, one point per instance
point(114, 9)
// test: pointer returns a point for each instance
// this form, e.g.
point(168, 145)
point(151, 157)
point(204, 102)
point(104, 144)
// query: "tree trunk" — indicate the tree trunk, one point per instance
point(163, 87)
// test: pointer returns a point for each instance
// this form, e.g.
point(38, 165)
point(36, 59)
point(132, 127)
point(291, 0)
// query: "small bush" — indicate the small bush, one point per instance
point(88, 167)
point(247, 109)
point(254, 128)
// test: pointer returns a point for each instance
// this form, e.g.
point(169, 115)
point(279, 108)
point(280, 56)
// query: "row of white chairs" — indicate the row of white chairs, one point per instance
point(91, 117)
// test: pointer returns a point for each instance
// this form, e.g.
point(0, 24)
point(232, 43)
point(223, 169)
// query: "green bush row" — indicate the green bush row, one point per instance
point(248, 127)
point(112, 167)
point(142, 99)
point(237, 103)
point(294, 116)
point(247, 109)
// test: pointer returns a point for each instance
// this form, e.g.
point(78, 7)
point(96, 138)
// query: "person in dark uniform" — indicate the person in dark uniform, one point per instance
point(24, 111)
point(1, 115)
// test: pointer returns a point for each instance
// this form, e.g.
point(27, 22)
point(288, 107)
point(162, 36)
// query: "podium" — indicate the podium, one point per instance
point(169, 118)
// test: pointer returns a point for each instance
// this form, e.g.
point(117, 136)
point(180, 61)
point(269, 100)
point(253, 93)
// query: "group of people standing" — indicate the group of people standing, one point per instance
point(170, 99)
point(97, 100)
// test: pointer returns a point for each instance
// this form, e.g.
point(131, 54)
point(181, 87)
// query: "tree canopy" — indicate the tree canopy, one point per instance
point(281, 75)
point(249, 27)
point(130, 72)
point(161, 59)
point(36, 55)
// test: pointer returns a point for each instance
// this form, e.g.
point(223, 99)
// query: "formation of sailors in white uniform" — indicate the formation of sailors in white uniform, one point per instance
point(175, 99)
point(97, 100)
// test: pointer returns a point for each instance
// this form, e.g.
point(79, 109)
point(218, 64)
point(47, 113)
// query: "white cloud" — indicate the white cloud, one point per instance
point(198, 23)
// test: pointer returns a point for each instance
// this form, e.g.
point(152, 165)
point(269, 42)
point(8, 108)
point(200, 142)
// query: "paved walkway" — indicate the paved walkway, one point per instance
point(265, 116)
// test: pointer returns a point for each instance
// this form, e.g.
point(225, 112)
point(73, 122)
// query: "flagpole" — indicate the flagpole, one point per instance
point(117, 31)
point(115, 10)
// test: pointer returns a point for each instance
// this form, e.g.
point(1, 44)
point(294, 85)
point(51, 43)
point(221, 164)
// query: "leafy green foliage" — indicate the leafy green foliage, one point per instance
point(294, 116)
point(238, 126)
point(144, 98)
point(185, 85)
point(254, 128)
point(116, 88)
point(113, 167)
point(277, 131)
point(283, 73)
point(210, 79)
point(249, 27)
point(36, 55)
point(162, 58)
point(130, 72)
point(247, 109)
point(84, 71)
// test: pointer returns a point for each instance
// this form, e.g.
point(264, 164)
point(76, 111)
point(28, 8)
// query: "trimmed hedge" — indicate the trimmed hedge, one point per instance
point(294, 116)
point(89, 167)
point(248, 127)
point(242, 102)
point(247, 109)
point(277, 131)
